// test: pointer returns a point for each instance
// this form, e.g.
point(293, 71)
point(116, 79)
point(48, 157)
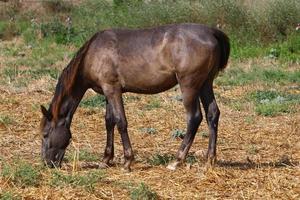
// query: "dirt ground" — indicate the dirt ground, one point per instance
point(271, 172)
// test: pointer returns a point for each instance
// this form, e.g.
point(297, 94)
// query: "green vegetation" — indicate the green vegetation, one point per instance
point(265, 102)
point(271, 102)
point(177, 133)
point(268, 75)
point(88, 180)
point(143, 192)
point(21, 173)
point(6, 120)
point(204, 134)
point(252, 149)
point(9, 196)
point(93, 101)
point(261, 25)
point(159, 159)
point(88, 156)
point(153, 104)
point(83, 155)
point(149, 131)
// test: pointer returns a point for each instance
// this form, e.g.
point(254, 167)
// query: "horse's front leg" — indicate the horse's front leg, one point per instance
point(114, 97)
point(110, 125)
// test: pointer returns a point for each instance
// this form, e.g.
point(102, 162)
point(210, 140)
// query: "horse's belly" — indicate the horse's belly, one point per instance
point(148, 82)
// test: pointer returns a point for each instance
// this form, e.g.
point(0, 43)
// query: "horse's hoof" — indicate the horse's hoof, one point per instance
point(173, 166)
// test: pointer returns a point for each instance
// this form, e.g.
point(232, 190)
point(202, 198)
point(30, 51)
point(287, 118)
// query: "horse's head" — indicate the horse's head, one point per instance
point(56, 137)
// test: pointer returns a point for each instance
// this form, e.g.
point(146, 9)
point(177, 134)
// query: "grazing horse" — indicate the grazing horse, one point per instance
point(145, 61)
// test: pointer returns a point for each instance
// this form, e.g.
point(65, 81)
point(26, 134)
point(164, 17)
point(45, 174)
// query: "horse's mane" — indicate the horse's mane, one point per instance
point(67, 78)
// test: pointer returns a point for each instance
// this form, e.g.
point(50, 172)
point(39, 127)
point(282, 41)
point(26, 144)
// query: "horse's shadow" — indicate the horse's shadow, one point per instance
point(249, 164)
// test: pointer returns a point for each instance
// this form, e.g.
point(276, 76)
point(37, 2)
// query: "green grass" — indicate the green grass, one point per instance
point(6, 120)
point(268, 102)
point(153, 104)
point(272, 103)
point(88, 180)
point(236, 76)
point(21, 173)
point(8, 195)
point(265, 25)
point(143, 192)
point(93, 101)
point(84, 155)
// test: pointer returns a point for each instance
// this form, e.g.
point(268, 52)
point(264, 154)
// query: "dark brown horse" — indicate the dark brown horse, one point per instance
point(143, 61)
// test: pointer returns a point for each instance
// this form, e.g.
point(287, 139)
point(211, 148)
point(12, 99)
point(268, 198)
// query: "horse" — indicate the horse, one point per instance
point(143, 61)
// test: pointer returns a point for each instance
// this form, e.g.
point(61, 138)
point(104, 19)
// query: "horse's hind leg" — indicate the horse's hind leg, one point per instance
point(110, 125)
point(212, 114)
point(194, 118)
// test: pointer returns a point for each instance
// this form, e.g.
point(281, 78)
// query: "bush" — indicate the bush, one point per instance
point(62, 33)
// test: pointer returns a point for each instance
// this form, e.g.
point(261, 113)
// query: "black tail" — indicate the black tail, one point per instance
point(223, 41)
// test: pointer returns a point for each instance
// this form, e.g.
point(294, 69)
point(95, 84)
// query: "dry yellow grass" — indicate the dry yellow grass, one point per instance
point(272, 171)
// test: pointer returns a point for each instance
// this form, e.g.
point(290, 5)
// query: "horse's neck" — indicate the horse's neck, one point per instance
point(65, 103)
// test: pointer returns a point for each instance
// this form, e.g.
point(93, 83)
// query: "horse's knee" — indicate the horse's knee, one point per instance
point(196, 118)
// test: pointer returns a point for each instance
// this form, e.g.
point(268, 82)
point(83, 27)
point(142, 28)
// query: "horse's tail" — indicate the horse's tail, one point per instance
point(224, 45)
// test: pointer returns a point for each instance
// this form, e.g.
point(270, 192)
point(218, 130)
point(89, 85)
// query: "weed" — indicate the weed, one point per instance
point(249, 119)
point(252, 149)
point(22, 174)
point(149, 130)
point(88, 181)
point(143, 192)
point(238, 76)
point(178, 134)
point(271, 102)
point(159, 159)
point(60, 32)
point(191, 159)
point(83, 155)
point(88, 156)
point(6, 120)
point(94, 101)
point(204, 134)
point(155, 103)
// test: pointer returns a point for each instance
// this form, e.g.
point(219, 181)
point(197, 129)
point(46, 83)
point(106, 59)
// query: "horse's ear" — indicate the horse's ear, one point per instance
point(46, 113)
